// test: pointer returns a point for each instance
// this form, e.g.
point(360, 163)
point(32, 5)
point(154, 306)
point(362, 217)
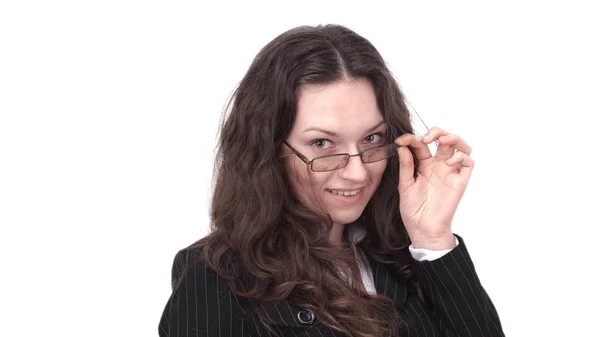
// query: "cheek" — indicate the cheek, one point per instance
point(304, 182)
point(376, 171)
point(297, 172)
point(299, 176)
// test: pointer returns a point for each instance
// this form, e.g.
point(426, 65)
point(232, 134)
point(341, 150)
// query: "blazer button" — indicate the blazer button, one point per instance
point(306, 316)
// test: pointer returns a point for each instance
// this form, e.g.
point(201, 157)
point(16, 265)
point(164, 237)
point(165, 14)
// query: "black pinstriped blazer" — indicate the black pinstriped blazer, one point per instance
point(202, 303)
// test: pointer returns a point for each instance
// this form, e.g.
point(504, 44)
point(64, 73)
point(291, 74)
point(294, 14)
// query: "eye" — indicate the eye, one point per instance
point(321, 143)
point(374, 138)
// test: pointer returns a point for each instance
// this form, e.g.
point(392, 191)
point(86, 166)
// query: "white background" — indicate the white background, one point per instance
point(108, 116)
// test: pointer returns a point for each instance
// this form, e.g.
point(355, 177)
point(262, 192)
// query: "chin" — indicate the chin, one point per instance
point(346, 217)
point(345, 214)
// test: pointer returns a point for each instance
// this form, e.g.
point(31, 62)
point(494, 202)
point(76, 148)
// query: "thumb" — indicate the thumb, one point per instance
point(407, 168)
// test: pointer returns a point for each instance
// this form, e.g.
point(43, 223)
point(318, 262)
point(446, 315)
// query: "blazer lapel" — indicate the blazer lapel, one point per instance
point(387, 284)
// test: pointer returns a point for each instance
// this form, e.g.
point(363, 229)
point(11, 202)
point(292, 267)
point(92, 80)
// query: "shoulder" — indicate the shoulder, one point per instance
point(190, 266)
point(201, 300)
point(193, 277)
point(191, 274)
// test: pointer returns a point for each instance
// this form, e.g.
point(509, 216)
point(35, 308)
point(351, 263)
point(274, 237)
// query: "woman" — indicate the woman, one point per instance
point(329, 216)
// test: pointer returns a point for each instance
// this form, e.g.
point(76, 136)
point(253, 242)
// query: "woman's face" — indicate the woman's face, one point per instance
point(340, 117)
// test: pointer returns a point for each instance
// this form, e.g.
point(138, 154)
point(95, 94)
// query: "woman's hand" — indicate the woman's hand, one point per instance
point(429, 201)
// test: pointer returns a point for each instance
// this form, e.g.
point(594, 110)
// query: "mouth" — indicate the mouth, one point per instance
point(345, 193)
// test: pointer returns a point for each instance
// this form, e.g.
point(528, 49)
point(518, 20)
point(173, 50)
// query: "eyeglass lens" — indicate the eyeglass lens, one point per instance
point(339, 161)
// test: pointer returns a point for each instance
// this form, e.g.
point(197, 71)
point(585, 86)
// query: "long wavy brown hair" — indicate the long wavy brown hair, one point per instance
point(260, 232)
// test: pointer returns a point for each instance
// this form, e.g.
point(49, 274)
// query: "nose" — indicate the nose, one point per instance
point(355, 170)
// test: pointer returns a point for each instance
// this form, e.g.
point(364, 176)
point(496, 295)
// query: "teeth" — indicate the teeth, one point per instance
point(344, 193)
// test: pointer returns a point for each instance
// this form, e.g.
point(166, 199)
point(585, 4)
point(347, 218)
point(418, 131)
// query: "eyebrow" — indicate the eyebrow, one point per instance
point(334, 134)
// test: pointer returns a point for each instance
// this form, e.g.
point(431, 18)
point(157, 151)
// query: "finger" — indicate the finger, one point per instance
point(407, 168)
point(443, 151)
point(421, 149)
point(465, 171)
point(433, 134)
point(456, 142)
point(465, 164)
point(460, 158)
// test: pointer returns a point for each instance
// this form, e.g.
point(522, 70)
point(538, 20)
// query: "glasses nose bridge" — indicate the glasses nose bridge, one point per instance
point(360, 155)
point(356, 170)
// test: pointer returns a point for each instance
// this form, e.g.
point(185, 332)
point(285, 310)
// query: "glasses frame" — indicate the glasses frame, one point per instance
point(360, 155)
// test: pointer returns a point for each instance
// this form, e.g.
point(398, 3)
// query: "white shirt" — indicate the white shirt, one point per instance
point(356, 233)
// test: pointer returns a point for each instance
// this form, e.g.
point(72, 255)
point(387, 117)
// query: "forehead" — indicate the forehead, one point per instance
point(348, 104)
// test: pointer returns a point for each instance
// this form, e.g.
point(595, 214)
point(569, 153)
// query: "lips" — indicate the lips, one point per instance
point(345, 193)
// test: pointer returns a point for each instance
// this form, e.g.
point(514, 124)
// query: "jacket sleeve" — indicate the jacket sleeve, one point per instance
point(201, 303)
point(459, 302)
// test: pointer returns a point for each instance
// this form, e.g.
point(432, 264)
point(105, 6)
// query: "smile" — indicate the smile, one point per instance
point(345, 193)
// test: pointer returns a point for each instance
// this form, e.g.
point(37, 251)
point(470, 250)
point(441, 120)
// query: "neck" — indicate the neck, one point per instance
point(336, 234)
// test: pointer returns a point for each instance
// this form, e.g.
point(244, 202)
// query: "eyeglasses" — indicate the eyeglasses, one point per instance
point(340, 160)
